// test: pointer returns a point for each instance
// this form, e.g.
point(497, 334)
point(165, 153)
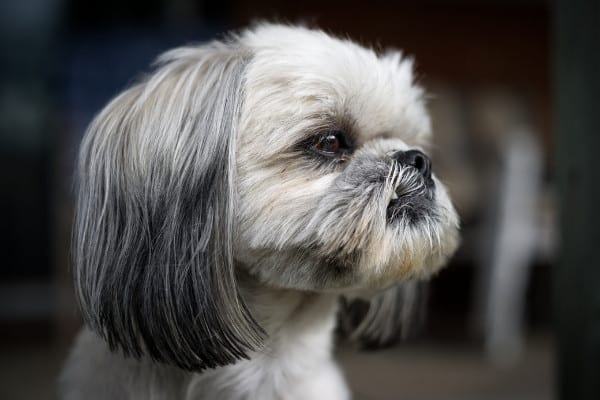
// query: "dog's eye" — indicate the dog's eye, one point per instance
point(330, 144)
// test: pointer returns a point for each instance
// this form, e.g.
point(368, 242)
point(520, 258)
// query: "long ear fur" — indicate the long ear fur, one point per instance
point(386, 317)
point(153, 234)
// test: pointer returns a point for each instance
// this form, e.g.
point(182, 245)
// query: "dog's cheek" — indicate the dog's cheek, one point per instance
point(349, 221)
point(275, 207)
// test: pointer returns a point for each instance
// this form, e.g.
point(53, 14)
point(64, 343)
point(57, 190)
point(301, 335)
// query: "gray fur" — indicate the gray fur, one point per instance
point(154, 270)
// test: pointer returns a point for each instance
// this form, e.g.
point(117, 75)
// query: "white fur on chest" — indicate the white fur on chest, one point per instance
point(295, 364)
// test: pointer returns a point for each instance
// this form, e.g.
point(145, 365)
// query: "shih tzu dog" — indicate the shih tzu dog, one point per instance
point(229, 199)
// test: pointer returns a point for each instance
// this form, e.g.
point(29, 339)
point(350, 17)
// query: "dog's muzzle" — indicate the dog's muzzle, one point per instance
point(414, 195)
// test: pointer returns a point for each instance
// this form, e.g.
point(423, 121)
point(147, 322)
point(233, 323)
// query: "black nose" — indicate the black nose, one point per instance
point(416, 159)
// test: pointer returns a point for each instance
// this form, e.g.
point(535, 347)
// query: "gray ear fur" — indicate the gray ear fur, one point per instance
point(152, 242)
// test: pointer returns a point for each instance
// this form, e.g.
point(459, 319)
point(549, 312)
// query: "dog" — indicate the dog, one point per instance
point(227, 201)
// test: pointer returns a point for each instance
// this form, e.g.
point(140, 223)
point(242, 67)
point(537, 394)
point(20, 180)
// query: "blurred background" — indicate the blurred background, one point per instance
point(507, 143)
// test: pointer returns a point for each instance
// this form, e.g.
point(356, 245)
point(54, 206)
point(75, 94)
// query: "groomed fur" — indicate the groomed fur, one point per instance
point(154, 266)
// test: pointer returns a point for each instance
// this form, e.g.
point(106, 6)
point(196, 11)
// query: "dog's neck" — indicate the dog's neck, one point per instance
point(299, 333)
point(294, 363)
point(278, 310)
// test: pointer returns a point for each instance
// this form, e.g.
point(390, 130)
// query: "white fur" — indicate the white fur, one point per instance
point(298, 77)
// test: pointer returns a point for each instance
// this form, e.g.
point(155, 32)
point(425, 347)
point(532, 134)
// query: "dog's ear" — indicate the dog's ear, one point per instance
point(382, 319)
point(155, 209)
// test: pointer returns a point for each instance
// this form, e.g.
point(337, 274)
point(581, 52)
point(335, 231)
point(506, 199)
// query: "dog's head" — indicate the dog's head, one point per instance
point(284, 153)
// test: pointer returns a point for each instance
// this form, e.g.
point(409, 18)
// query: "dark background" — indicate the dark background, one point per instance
point(491, 67)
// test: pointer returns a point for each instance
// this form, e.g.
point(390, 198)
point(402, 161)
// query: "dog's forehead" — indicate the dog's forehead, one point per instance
point(339, 78)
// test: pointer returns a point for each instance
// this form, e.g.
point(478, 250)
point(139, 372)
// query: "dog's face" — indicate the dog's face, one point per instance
point(334, 189)
point(286, 153)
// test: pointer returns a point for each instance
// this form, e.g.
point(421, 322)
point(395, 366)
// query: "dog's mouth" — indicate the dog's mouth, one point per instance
point(413, 200)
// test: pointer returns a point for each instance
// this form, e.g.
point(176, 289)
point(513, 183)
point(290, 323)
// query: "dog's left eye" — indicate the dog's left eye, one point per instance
point(330, 144)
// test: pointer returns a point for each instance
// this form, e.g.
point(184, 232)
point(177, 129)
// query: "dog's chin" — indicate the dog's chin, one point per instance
point(420, 236)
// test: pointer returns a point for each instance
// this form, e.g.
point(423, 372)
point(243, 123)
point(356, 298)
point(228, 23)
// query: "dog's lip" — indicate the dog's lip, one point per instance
point(411, 209)
point(413, 205)
point(428, 188)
